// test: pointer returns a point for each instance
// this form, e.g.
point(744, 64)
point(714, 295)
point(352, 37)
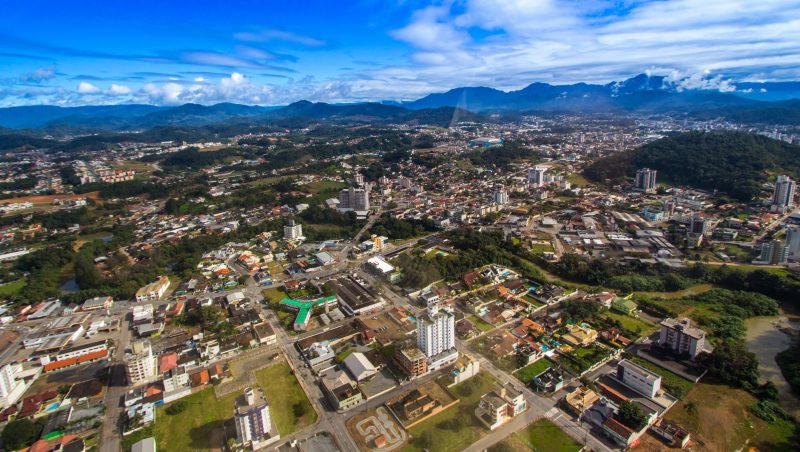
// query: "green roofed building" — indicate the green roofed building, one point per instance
point(303, 308)
point(624, 306)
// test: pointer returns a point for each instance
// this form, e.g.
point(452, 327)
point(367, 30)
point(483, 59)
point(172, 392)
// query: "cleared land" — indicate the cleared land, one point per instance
point(455, 428)
point(733, 424)
point(480, 323)
point(204, 423)
point(11, 288)
point(542, 436)
point(533, 369)
point(288, 402)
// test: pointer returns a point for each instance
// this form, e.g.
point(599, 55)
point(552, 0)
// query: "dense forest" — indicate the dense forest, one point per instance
point(706, 160)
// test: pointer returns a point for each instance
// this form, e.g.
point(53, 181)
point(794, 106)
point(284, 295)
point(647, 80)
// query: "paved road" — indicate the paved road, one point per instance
point(117, 387)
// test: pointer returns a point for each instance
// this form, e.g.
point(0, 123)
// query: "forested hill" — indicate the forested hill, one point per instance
point(734, 162)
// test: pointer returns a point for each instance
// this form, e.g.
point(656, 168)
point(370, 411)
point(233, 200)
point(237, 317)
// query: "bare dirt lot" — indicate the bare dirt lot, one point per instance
point(50, 198)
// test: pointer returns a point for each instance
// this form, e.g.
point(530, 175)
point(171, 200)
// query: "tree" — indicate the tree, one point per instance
point(20, 433)
point(631, 415)
point(731, 363)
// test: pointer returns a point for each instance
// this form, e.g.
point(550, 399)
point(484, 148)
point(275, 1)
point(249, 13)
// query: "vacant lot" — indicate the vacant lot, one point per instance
point(480, 323)
point(11, 288)
point(206, 420)
point(630, 323)
point(288, 403)
point(201, 426)
point(720, 417)
point(457, 427)
point(527, 373)
point(542, 435)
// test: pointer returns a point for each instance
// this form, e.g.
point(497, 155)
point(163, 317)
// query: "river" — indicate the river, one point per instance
point(766, 338)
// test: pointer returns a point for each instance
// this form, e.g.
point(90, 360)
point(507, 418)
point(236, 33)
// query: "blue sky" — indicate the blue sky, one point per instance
point(276, 52)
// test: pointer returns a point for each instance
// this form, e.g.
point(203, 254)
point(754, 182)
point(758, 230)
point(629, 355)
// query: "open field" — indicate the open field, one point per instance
point(672, 382)
point(688, 292)
point(631, 323)
point(11, 288)
point(733, 423)
point(437, 429)
point(527, 373)
point(541, 436)
point(49, 198)
point(207, 420)
point(288, 403)
point(480, 323)
point(201, 426)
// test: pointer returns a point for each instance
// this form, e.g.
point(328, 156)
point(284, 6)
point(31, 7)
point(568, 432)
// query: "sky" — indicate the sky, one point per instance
point(265, 52)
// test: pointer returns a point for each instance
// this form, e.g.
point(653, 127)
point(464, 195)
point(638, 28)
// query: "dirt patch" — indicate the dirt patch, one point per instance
point(49, 198)
point(717, 416)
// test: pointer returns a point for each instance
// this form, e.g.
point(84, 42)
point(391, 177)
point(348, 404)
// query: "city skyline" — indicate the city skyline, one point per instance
point(270, 54)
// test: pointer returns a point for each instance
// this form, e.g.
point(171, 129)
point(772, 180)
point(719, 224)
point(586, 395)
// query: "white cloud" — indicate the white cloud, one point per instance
point(87, 88)
point(41, 74)
point(278, 35)
point(119, 90)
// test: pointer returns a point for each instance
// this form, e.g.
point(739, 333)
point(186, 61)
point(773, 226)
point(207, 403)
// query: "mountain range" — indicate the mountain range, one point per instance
point(754, 102)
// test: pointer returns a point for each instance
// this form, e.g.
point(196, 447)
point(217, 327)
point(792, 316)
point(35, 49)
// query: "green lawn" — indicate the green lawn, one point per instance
point(288, 403)
point(480, 323)
point(6, 290)
point(274, 294)
point(694, 290)
point(527, 373)
point(672, 382)
point(199, 427)
point(541, 436)
point(630, 323)
point(443, 437)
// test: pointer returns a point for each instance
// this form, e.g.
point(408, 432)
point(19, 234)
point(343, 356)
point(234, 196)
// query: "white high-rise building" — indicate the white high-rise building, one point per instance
point(436, 333)
point(293, 231)
point(783, 197)
point(11, 389)
point(536, 175)
point(501, 197)
point(141, 363)
point(793, 242)
point(252, 418)
point(354, 199)
point(645, 180)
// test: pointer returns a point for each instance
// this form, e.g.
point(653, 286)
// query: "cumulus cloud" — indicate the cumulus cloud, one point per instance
point(118, 90)
point(39, 75)
point(87, 88)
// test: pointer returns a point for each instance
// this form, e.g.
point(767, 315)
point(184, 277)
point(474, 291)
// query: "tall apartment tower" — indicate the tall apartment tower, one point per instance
point(774, 252)
point(536, 175)
point(436, 332)
point(793, 242)
point(354, 199)
point(292, 231)
point(11, 389)
point(501, 197)
point(141, 363)
point(645, 180)
point(252, 418)
point(783, 198)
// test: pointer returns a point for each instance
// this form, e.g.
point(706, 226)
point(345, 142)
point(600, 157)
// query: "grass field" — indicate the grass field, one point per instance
point(289, 404)
point(6, 290)
point(527, 373)
point(480, 323)
point(720, 416)
point(578, 180)
point(688, 292)
point(631, 323)
point(199, 427)
point(541, 436)
point(444, 439)
point(672, 382)
point(206, 419)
